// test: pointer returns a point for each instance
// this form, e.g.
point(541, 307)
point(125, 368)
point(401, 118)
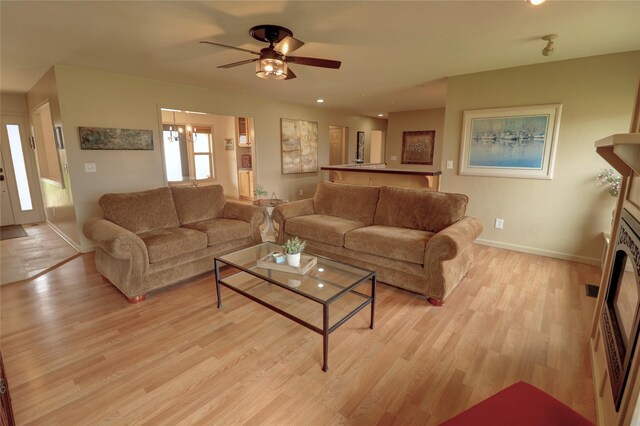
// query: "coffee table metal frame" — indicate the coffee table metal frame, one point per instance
point(326, 330)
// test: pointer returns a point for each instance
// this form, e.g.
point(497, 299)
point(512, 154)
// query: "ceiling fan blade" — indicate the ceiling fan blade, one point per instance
point(230, 47)
point(314, 62)
point(235, 64)
point(290, 74)
point(288, 45)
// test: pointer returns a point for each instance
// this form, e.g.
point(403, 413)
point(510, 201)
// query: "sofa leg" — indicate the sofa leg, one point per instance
point(137, 299)
point(435, 302)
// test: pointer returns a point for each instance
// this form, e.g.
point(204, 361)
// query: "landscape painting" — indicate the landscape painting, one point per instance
point(510, 142)
point(108, 138)
point(299, 146)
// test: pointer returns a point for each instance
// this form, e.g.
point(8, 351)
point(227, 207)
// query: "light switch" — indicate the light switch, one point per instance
point(394, 157)
point(449, 164)
point(90, 167)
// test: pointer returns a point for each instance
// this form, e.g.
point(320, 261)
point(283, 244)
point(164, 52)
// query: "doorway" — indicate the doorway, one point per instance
point(377, 147)
point(337, 145)
point(203, 149)
point(18, 176)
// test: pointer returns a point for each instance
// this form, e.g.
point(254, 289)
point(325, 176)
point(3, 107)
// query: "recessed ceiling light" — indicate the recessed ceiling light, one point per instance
point(535, 2)
point(320, 100)
point(380, 115)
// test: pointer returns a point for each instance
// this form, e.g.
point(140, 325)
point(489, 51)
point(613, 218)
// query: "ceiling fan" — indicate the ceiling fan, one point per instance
point(272, 61)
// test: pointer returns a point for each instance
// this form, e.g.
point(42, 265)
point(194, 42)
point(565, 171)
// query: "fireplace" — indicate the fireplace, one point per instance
point(620, 315)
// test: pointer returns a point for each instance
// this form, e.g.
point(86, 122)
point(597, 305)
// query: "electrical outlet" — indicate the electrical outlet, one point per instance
point(53, 211)
point(90, 167)
point(499, 223)
point(301, 192)
point(449, 164)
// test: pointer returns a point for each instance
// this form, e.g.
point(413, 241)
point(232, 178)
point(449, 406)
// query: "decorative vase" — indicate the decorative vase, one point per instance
point(293, 259)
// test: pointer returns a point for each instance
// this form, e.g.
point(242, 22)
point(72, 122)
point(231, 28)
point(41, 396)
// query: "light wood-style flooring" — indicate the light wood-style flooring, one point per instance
point(26, 257)
point(76, 352)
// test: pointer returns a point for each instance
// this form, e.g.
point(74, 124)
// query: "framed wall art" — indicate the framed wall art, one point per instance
point(299, 146)
point(246, 161)
point(228, 144)
point(108, 138)
point(360, 147)
point(418, 146)
point(517, 142)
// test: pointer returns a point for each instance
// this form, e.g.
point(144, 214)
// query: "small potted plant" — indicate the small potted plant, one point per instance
point(292, 248)
point(260, 192)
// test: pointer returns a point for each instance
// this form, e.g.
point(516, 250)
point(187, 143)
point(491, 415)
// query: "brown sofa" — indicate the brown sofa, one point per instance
point(149, 240)
point(414, 239)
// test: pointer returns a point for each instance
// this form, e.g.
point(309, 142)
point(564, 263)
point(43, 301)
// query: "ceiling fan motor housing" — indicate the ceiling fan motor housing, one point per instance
point(270, 33)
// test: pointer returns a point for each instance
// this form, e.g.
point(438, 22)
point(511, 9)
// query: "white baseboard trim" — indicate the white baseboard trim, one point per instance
point(64, 236)
point(540, 252)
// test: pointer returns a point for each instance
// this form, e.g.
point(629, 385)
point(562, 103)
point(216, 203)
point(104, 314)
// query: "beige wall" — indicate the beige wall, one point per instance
point(562, 217)
point(58, 202)
point(95, 98)
point(13, 102)
point(428, 119)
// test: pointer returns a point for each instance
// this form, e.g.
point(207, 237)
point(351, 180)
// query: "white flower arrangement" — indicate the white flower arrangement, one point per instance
point(611, 179)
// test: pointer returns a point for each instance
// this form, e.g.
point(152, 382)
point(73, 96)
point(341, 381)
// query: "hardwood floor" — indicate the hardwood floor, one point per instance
point(26, 257)
point(76, 352)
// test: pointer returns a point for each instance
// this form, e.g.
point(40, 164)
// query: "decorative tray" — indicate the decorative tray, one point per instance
point(306, 264)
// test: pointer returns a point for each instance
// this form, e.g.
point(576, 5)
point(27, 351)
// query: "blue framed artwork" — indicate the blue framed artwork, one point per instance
point(518, 142)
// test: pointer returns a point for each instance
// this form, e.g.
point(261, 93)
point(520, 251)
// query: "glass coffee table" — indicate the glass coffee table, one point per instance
point(322, 300)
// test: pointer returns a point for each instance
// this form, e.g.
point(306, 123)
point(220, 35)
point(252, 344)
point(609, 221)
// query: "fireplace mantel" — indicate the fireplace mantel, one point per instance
point(622, 151)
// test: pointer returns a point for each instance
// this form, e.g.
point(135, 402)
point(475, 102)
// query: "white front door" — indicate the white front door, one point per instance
point(6, 214)
point(20, 187)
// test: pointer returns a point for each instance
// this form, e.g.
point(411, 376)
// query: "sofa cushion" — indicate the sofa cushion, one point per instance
point(220, 231)
point(389, 241)
point(198, 203)
point(141, 211)
point(323, 228)
point(350, 202)
point(163, 244)
point(419, 209)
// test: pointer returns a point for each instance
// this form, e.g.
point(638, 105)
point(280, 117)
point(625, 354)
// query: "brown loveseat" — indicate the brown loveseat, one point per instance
point(149, 240)
point(414, 239)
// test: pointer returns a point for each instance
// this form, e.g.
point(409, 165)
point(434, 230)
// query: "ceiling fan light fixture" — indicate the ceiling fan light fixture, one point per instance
point(271, 68)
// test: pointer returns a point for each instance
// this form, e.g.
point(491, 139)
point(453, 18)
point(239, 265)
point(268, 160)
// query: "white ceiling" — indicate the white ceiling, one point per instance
point(395, 55)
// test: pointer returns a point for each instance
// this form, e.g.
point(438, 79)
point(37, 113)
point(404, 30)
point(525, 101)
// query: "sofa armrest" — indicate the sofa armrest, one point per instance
point(253, 215)
point(448, 255)
point(285, 211)
point(117, 241)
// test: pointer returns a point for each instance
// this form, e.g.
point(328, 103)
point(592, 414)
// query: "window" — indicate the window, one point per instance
point(19, 167)
point(188, 153)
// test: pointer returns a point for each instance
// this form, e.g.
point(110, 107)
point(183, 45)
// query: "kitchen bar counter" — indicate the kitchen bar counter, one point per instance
point(379, 175)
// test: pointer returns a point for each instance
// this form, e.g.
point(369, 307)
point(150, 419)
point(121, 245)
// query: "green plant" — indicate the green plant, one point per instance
point(294, 246)
point(260, 192)
point(611, 179)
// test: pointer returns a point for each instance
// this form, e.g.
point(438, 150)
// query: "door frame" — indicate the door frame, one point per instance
point(35, 215)
point(344, 131)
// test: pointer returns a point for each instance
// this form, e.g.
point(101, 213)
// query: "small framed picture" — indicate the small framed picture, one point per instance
point(59, 139)
point(246, 161)
point(360, 146)
point(228, 144)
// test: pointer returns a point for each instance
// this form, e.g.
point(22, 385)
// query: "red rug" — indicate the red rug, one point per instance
point(519, 405)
